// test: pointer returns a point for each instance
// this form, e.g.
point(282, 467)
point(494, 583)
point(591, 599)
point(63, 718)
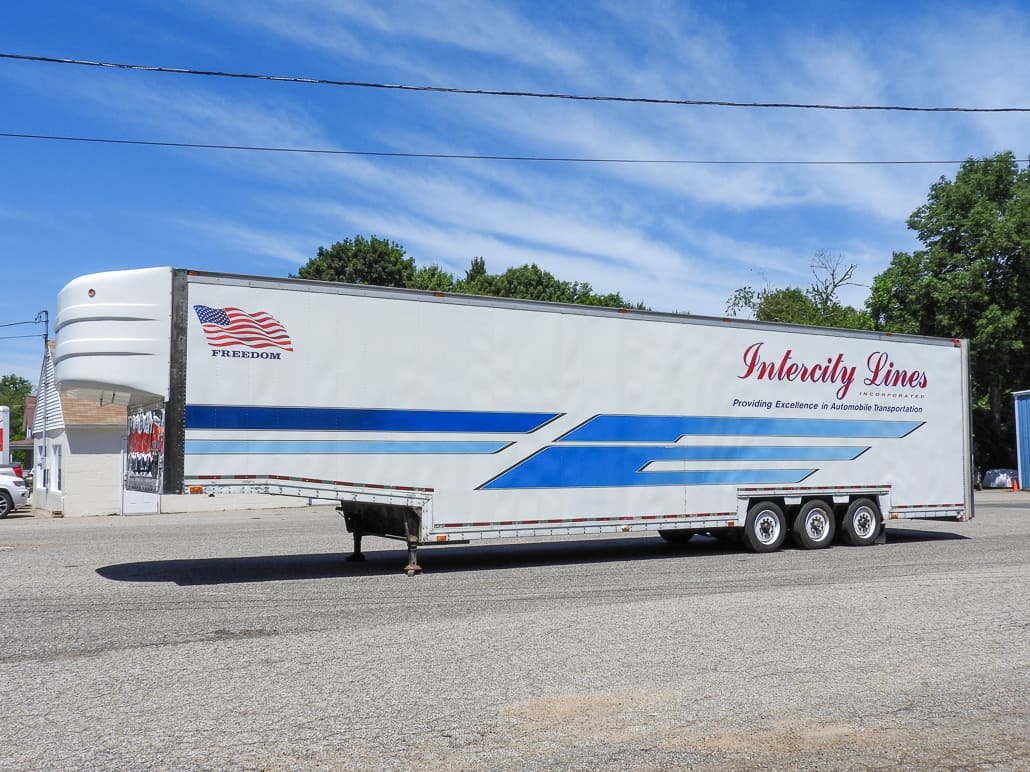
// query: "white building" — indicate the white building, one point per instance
point(76, 451)
point(79, 458)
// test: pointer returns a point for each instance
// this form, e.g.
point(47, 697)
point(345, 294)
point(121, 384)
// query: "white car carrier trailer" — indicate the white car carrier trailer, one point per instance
point(438, 418)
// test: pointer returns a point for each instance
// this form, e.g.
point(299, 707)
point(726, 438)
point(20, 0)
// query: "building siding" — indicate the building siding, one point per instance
point(1022, 399)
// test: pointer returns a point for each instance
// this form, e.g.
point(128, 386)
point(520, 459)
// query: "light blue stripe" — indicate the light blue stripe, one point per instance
point(332, 447)
point(652, 428)
point(740, 452)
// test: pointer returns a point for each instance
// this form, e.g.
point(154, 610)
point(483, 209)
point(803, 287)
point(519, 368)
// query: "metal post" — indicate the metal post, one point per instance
point(44, 316)
point(412, 534)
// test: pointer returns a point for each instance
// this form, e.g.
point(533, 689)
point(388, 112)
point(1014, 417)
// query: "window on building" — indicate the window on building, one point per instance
point(57, 468)
point(41, 468)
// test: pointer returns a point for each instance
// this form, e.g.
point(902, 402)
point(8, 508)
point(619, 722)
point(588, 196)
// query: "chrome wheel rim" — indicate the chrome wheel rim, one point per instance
point(767, 527)
point(864, 522)
point(817, 525)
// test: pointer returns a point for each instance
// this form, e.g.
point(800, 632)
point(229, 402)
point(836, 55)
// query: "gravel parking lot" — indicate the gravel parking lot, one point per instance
point(246, 640)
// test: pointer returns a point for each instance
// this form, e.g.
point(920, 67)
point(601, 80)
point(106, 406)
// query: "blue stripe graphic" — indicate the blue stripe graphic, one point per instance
point(630, 428)
point(571, 466)
point(334, 447)
point(361, 420)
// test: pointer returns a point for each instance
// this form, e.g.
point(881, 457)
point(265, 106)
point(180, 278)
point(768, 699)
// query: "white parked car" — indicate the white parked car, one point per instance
point(999, 478)
point(13, 492)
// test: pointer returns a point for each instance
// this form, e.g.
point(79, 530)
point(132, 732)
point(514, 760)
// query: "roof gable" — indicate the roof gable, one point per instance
point(57, 410)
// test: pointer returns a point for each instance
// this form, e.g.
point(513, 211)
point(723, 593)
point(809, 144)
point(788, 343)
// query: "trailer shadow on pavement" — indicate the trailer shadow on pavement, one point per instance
point(270, 568)
point(903, 535)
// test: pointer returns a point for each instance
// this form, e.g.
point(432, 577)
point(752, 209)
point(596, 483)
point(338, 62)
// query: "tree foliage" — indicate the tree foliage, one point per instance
point(817, 305)
point(384, 263)
point(971, 280)
point(13, 391)
point(361, 261)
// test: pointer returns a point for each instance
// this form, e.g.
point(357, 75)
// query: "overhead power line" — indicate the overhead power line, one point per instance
point(505, 93)
point(470, 156)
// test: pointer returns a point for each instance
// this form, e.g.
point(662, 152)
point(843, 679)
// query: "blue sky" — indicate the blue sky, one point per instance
point(676, 237)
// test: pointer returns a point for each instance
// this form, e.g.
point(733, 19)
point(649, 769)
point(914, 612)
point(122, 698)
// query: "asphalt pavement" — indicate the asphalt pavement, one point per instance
point(247, 640)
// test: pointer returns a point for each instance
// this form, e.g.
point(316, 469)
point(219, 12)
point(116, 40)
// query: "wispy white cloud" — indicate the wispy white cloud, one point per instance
point(673, 236)
point(383, 33)
point(481, 26)
point(831, 68)
point(452, 248)
point(289, 247)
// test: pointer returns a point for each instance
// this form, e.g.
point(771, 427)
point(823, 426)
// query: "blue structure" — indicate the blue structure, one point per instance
point(1022, 399)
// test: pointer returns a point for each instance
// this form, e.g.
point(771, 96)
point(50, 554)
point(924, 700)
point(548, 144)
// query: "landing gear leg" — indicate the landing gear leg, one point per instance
point(412, 535)
point(351, 526)
point(357, 555)
point(391, 521)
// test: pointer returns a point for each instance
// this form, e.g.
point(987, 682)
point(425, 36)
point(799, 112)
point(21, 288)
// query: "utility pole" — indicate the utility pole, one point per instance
point(43, 317)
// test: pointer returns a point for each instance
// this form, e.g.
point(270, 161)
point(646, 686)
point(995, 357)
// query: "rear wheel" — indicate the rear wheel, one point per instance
point(765, 527)
point(861, 523)
point(814, 525)
point(6, 504)
point(676, 536)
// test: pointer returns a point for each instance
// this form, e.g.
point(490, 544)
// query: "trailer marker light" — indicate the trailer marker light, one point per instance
point(196, 489)
point(442, 537)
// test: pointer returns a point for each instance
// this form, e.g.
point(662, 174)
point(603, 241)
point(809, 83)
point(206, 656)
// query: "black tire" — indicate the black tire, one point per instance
point(6, 504)
point(765, 528)
point(861, 523)
point(814, 526)
point(677, 536)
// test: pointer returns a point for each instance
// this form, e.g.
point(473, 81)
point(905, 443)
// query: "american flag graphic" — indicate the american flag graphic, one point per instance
point(234, 327)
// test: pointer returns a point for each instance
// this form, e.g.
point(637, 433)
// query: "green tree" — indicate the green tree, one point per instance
point(476, 270)
point(528, 282)
point(531, 282)
point(361, 261)
point(432, 278)
point(788, 304)
point(13, 391)
point(384, 263)
point(477, 281)
point(817, 305)
point(971, 280)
